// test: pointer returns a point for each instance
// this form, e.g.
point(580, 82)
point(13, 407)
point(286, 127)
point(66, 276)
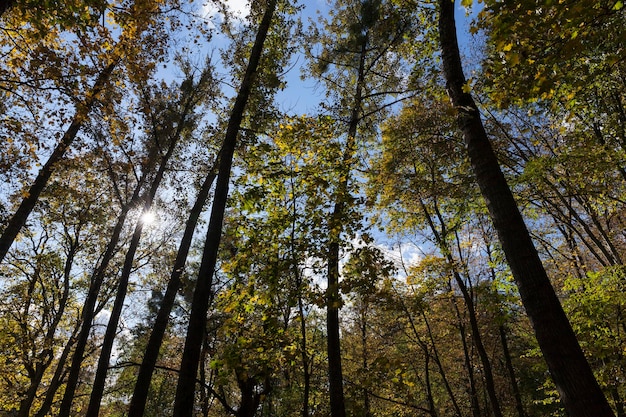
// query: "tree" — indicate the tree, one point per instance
point(125, 48)
point(359, 86)
point(572, 375)
point(17, 221)
point(185, 390)
point(167, 129)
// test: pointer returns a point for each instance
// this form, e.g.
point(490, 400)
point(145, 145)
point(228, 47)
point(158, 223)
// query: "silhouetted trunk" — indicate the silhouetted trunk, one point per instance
point(519, 406)
point(122, 286)
point(151, 354)
point(511, 371)
point(185, 391)
point(306, 359)
point(437, 359)
point(469, 366)
point(47, 354)
point(58, 376)
point(617, 400)
point(333, 297)
point(578, 389)
point(250, 396)
point(480, 347)
point(18, 220)
point(333, 303)
point(89, 305)
point(442, 242)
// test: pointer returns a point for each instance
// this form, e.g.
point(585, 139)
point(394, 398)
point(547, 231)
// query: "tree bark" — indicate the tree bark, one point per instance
point(18, 220)
point(185, 391)
point(151, 354)
point(572, 375)
point(333, 297)
point(442, 242)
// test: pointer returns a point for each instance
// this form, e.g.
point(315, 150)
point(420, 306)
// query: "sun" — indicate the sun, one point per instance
point(148, 218)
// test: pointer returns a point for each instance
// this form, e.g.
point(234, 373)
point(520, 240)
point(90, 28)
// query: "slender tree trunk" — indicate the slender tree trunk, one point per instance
point(572, 375)
point(429, 389)
point(480, 347)
point(47, 354)
point(89, 306)
point(306, 360)
point(511, 371)
point(365, 358)
point(473, 394)
point(151, 354)
point(519, 406)
point(18, 220)
point(58, 376)
point(333, 297)
point(437, 359)
point(442, 243)
point(185, 391)
point(205, 395)
point(97, 390)
point(333, 303)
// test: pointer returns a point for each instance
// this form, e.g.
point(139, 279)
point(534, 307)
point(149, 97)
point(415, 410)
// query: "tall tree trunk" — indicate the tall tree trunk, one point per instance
point(97, 390)
point(333, 303)
point(47, 353)
point(572, 375)
point(89, 305)
point(18, 220)
point(519, 406)
point(185, 391)
point(442, 242)
point(333, 297)
point(151, 354)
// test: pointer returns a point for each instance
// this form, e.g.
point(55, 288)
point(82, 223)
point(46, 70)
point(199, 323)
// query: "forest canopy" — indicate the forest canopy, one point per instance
point(360, 208)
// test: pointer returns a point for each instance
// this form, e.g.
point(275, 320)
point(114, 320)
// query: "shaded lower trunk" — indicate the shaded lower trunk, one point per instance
point(519, 407)
point(333, 303)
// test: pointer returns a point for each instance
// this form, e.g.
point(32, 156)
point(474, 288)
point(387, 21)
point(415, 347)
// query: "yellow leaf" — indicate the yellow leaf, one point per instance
point(467, 87)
